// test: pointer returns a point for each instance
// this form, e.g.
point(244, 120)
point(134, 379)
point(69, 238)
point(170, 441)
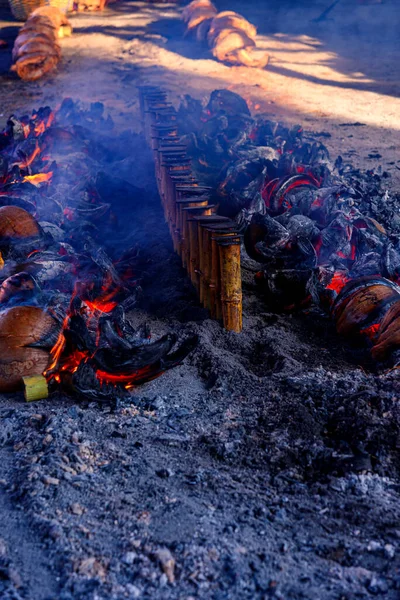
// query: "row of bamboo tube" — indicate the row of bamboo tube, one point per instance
point(208, 244)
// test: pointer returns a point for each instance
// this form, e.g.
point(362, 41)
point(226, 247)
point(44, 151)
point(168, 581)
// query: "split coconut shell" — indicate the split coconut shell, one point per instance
point(20, 328)
point(16, 224)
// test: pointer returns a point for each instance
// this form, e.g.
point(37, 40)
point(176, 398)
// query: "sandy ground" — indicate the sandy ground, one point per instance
point(325, 75)
point(267, 465)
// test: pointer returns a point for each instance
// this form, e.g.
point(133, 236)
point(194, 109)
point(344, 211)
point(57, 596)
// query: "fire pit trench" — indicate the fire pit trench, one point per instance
point(310, 223)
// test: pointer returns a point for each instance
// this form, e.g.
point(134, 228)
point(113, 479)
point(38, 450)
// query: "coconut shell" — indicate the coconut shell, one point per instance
point(190, 8)
point(198, 16)
point(36, 50)
point(230, 20)
point(20, 327)
point(17, 223)
point(249, 57)
point(234, 41)
point(57, 18)
point(388, 337)
point(19, 363)
point(363, 302)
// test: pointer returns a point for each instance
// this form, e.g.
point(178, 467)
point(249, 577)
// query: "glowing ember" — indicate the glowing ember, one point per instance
point(338, 281)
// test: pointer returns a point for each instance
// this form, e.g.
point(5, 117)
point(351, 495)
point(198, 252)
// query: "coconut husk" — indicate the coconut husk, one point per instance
point(228, 42)
point(203, 29)
point(36, 50)
point(230, 20)
point(249, 57)
point(58, 19)
point(20, 328)
point(16, 223)
point(190, 8)
point(230, 36)
point(198, 17)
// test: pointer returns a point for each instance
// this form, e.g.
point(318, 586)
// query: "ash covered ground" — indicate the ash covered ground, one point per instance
point(266, 466)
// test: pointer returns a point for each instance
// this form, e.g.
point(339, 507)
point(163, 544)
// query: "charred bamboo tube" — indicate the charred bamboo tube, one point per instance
point(161, 144)
point(178, 180)
point(161, 113)
point(191, 189)
point(161, 133)
point(170, 201)
point(194, 251)
point(164, 156)
point(181, 224)
point(194, 244)
point(215, 280)
point(144, 92)
point(204, 242)
point(35, 388)
point(205, 267)
point(231, 283)
point(174, 180)
point(167, 190)
point(157, 100)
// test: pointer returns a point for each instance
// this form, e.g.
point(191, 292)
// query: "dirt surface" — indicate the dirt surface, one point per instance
point(267, 465)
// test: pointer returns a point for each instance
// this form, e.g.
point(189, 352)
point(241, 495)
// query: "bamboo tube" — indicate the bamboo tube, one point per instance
point(177, 180)
point(205, 251)
point(35, 388)
point(208, 289)
point(220, 230)
point(231, 282)
point(215, 280)
point(157, 132)
point(148, 97)
point(166, 187)
point(194, 254)
point(146, 90)
point(148, 117)
point(190, 189)
point(205, 267)
point(170, 200)
point(159, 147)
point(181, 224)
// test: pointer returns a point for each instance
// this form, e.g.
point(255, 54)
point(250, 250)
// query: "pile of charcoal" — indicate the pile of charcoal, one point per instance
point(325, 233)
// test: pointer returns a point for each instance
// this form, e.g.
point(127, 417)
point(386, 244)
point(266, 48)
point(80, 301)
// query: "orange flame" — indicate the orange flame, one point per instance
point(38, 178)
point(31, 158)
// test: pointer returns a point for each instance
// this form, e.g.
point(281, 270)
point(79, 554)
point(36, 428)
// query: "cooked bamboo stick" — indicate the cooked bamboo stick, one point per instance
point(231, 283)
point(220, 230)
point(204, 242)
point(181, 224)
point(35, 388)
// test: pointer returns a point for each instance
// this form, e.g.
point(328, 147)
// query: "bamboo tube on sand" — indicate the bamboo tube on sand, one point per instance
point(35, 388)
point(231, 283)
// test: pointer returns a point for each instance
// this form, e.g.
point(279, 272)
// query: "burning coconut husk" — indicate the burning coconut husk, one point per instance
point(230, 37)
point(36, 50)
point(314, 225)
point(90, 5)
point(68, 272)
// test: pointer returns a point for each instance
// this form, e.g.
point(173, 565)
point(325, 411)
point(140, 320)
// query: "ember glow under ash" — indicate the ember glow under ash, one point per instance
point(323, 231)
point(67, 250)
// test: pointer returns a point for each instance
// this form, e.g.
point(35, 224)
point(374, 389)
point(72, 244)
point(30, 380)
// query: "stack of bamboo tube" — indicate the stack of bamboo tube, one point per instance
point(209, 244)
